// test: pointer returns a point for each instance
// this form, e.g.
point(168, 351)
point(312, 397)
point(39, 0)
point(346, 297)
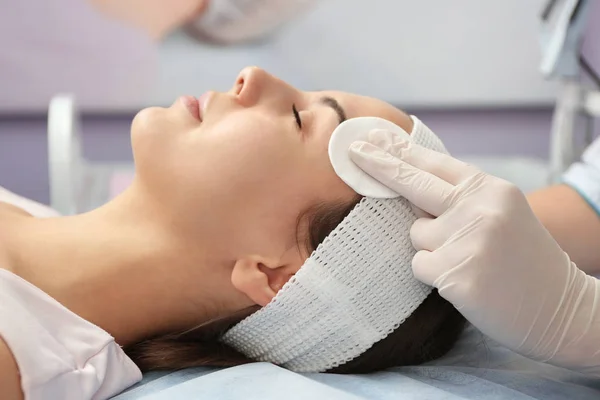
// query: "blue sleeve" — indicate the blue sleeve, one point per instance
point(584, 176)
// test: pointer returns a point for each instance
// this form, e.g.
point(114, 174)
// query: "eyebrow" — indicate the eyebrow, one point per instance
point(335, 106)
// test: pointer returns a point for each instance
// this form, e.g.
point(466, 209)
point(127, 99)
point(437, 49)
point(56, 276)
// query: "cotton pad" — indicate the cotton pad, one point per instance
point(343, 136)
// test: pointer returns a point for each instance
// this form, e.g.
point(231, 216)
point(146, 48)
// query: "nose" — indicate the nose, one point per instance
point(255, 85)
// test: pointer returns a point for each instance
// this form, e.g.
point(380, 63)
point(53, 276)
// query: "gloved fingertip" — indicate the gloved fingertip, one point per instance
point(381, 138)
point(360, 148)
point(370, 157)
point(357, 146)
point(420, 267)
point(363, 150)
point(385, 138)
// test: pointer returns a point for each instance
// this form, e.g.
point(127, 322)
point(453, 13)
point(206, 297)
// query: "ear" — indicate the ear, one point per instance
point(260, 278)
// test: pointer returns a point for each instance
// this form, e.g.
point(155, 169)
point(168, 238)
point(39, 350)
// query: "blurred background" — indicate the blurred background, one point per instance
point(470, 69)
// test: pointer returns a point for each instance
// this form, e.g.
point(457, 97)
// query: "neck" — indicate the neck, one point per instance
point(122, 269)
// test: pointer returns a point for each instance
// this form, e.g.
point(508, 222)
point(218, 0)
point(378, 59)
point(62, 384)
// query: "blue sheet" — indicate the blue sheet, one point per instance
point(477, 368)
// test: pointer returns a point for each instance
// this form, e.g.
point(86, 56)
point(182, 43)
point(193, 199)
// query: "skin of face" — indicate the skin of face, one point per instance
point(256, 162)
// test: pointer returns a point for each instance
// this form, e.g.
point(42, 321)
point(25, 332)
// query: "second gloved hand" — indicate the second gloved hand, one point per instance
point(487, 253)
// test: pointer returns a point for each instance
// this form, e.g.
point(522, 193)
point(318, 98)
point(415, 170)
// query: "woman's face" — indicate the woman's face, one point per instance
point(256, 156)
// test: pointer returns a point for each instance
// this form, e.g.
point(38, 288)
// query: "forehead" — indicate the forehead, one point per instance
point(363, 106)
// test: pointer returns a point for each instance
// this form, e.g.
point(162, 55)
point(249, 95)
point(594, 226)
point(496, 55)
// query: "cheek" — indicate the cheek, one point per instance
point(258, 166)
point(324, 180)
point(252, 151)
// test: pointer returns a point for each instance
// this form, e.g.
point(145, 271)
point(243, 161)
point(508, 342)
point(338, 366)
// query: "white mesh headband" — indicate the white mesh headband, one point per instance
point(353, 291)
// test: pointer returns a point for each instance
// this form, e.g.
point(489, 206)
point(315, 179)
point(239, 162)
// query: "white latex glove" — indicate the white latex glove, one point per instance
point(489, 255)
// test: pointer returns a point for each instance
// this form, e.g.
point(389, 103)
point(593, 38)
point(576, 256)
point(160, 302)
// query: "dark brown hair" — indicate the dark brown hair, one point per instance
point(427, 334)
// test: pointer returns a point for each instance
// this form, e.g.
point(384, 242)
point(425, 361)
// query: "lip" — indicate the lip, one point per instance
point(203, 103)
point(193, 106)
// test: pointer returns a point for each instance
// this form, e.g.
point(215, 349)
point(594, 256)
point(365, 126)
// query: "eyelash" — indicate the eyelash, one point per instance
point(297, 116)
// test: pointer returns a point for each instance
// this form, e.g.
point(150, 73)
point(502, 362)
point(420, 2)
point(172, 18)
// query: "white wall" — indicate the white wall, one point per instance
point(425, 53)
point(50, 46)
point(412, 53)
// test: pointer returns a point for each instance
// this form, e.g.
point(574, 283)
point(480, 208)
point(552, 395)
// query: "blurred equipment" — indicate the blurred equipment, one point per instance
point(76, 184)
point(562, 31)
point(236, 21)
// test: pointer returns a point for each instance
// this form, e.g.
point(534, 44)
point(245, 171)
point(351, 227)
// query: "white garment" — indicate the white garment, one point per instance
point(584, 176)
point(59, 354)
point(34, 208)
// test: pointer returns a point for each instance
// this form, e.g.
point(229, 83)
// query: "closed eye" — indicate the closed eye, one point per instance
point(297, 116)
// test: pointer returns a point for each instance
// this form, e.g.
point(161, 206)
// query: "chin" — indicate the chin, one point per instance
point(146, 119)
point(150, 122)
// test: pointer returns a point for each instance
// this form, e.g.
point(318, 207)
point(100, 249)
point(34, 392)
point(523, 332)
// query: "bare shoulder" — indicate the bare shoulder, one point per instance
point(10, 380)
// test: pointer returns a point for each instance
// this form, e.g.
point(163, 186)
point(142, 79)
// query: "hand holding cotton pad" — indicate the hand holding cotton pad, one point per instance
point(348, 132)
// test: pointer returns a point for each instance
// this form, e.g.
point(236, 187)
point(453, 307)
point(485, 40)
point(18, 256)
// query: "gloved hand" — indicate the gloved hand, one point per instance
point(489, 255)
